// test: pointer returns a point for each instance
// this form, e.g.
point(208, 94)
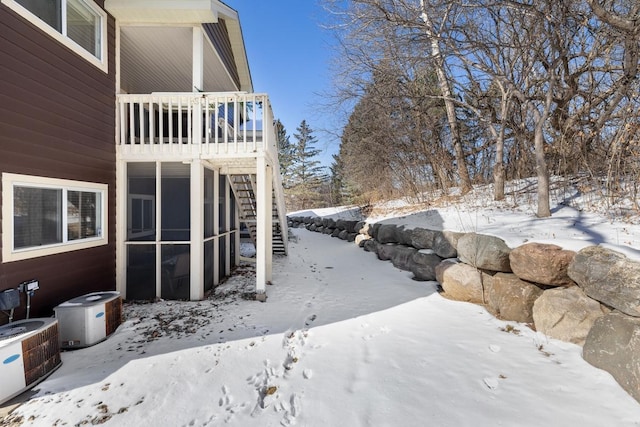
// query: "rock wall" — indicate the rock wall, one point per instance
point(590, 298)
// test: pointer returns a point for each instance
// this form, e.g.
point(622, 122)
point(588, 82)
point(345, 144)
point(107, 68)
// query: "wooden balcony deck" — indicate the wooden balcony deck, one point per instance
point(180, 126)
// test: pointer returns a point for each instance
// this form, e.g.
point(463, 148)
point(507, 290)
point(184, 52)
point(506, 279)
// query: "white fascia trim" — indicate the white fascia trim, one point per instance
point(165, 11)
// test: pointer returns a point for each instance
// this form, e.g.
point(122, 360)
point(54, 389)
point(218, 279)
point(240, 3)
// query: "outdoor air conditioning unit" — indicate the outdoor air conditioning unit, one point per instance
point(29, 352)
point(89, 319)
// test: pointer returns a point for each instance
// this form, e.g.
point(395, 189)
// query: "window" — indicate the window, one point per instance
point(48, 216)
point(78, 24)
point(142, 217)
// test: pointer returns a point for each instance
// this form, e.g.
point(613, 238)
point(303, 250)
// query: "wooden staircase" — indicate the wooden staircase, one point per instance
point(244, 190)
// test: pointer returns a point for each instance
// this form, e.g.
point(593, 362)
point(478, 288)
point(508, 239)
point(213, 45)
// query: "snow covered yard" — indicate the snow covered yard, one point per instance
point(343, 340)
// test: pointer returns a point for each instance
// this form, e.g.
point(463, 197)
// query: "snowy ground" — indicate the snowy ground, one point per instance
point(343, 340)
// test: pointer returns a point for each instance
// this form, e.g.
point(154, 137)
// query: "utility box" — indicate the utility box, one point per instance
point(88, 319)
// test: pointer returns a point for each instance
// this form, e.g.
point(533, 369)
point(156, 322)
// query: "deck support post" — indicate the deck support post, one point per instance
point(197, 231)
point(261, 227)
point(268, 191)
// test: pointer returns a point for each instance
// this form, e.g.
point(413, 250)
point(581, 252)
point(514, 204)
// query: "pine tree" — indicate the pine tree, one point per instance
point(286, 152)
point(306, 172)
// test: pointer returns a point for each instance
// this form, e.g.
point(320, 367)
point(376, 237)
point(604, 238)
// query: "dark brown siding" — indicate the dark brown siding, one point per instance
point(219, 37)
point(57, 120)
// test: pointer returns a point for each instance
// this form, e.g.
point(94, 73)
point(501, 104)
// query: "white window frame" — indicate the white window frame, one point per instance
point(145, 231)
point(100, 62)
point(10, 181)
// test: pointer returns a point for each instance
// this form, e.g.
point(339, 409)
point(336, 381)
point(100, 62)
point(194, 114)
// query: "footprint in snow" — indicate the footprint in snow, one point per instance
point(491, 383)
point(310, 320)
point(494, 348)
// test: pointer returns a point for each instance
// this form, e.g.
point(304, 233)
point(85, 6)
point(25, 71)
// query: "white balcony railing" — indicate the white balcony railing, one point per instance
point(216, 124)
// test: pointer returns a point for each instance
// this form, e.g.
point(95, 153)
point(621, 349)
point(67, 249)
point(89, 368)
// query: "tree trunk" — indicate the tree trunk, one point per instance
point(445, 89)
point(544, 209)
point(498, 171)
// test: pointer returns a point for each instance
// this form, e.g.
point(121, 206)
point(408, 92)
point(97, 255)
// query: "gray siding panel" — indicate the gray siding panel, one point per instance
point(57, 119)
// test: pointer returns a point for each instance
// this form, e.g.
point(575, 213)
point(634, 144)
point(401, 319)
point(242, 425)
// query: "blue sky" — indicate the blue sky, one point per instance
point(289, 56)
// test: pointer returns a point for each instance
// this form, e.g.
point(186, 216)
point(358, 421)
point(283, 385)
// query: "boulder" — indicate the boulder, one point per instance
point(387, 233)
point(351, 237)
point(445, 242)
point(335, 232)
point(609, 277)
point(512, 299)
point(444, 264)
point(422, 238)
point(484, 252)
point(542, 263)
point(385, 252)
point(423, 265)
point(370, 245)
point(343, 234)
point(566, 313)
point(401, 257)
point(404, 236)
point(360, 238)
point(373, 229)
point(613, 344)
point(487, 284)
point(329, 222)
point(361, 227)
point(460, 282)
point(350, 226)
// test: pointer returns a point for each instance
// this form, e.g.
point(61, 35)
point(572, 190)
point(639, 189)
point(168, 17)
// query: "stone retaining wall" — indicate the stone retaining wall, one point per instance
point(590, 298)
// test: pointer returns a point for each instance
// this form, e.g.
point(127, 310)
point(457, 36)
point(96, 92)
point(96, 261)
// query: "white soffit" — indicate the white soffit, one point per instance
point(165, 11)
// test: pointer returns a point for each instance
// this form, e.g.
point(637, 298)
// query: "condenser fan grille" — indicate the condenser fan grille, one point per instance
point(41, 354)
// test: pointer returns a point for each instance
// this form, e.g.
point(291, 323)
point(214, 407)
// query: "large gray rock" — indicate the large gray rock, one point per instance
point(361, 227)
point(387, 233)
point(422, 238)
point(609, 277)
point(566, 314)
point(370, 245)
point(485, 252)
point(445, 242)
point(613, 344)
point(461, 282)
point(350, 226)
point(542, 263)
point(401, 257)
point(373, 229)
point(329, 222)
point(512, 299)
point(423, 265)
point(404, 236)
point(385, 252)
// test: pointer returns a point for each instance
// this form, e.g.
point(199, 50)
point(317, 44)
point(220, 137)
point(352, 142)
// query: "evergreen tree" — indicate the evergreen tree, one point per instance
point(286, 153)
point(306, 172)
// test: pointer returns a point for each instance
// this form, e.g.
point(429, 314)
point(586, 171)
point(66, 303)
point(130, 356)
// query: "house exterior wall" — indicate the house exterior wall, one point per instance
point(57, 120)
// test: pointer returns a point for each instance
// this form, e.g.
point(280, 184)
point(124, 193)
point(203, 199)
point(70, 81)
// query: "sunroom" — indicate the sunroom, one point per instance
point(196, 151)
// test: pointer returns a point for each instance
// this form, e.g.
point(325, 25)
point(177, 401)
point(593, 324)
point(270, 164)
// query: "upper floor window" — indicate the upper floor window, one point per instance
point(79, 24)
